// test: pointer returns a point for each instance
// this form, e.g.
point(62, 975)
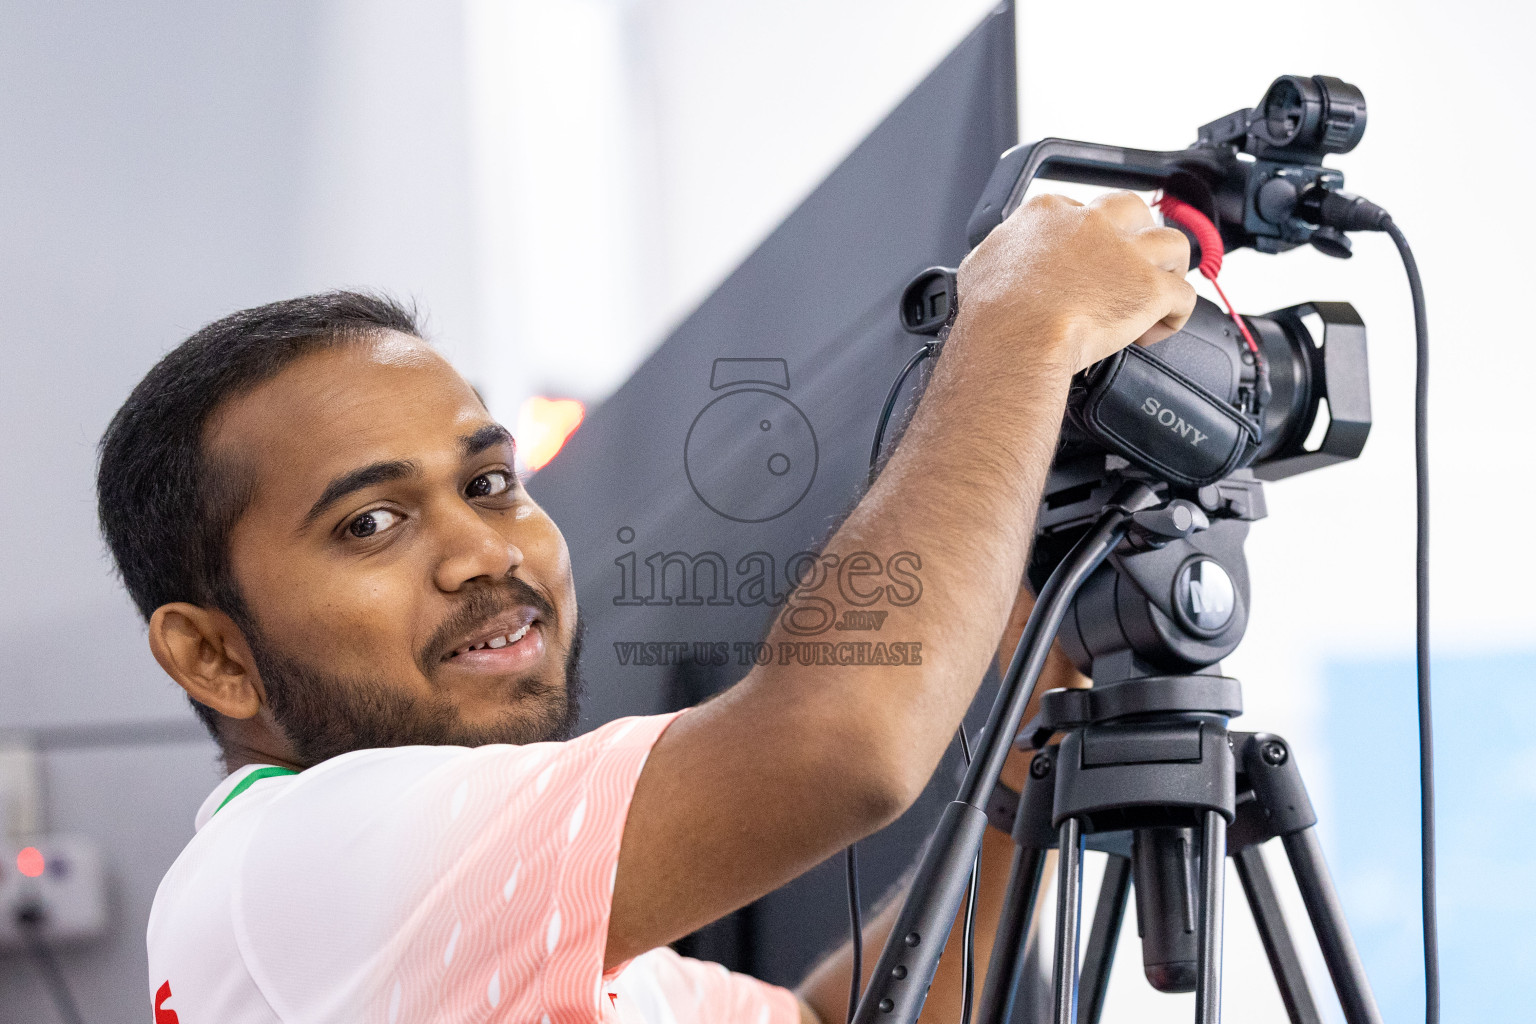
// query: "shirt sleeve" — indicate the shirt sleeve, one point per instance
point(443, 884)
point(662, 986)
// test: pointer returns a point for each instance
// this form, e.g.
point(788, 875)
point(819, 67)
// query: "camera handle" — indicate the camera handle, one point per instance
point(1271, 204)
point(899, 987)
point(1088, 163)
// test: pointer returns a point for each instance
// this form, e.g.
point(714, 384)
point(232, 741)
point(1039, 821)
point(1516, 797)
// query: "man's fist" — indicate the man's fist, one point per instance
point(1085, 281)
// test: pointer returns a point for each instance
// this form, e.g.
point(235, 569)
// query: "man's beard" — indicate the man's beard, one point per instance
point(323, 714)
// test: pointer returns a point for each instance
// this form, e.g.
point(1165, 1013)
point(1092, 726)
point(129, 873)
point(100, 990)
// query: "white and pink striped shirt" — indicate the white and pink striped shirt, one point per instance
point(413, 884)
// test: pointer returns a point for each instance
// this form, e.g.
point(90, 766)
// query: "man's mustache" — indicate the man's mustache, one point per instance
point(476, 608)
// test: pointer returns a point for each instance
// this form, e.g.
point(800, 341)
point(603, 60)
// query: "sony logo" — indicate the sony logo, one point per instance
point(1173, 421)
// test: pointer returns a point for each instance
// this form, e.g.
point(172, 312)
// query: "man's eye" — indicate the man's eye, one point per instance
point(489, 485)
point(370, 523)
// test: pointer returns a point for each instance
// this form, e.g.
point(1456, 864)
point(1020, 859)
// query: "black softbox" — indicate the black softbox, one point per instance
point(744, 439)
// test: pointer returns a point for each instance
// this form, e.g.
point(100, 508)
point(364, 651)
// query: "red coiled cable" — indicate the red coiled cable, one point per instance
point(1211, 251)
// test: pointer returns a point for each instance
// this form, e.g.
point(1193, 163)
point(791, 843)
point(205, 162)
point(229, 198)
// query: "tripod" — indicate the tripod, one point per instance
point(1149, 596)
point(1149, 768)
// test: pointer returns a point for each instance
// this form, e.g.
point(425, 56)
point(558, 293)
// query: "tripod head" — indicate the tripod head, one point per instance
point(1171, 598)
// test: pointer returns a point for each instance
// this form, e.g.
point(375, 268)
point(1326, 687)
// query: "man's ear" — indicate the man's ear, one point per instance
point(205, 652)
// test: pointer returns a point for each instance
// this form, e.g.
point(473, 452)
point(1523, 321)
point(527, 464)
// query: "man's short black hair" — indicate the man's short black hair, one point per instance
point(166, 507)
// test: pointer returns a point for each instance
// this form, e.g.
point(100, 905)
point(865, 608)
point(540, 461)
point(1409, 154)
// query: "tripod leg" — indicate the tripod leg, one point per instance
point(1213, 868)
point(997, 994)
point(1278, 947)
point(1102, 938)
point(1069, 913)
point(1339, 953)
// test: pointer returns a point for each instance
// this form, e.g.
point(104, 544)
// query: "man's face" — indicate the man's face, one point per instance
point(399, 584)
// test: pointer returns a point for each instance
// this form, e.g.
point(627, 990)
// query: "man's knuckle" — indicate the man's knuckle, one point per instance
point(1122, 199)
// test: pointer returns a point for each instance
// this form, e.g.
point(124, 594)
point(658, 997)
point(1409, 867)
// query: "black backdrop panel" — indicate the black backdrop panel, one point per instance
point(744, 439)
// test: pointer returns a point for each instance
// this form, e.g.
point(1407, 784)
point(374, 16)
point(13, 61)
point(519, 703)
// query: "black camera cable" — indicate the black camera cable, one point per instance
point(968, 933)
point(928, 351)
point(29, 922)
point(1421, 620)
point(850, 855)
point(1347, 212)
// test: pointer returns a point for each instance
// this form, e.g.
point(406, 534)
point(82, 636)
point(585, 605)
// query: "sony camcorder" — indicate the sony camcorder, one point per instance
point(1200, 405)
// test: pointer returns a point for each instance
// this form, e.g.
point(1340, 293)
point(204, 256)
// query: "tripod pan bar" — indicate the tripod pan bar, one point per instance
point(899, 987)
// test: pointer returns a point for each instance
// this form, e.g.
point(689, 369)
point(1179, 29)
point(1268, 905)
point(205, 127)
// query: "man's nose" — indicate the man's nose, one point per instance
point(472, 549)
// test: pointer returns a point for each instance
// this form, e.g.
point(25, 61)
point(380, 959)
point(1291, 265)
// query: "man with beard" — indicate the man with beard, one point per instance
point(322, 526)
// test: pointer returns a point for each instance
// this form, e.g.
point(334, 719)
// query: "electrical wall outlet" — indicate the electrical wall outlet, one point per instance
point(56, 884)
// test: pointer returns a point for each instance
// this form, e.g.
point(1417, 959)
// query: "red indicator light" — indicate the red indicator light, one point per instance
point(30, 862)
point(543, 427)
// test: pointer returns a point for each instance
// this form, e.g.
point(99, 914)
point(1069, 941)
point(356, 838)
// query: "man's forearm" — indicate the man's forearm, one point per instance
point(962, 489)
point(960, 493)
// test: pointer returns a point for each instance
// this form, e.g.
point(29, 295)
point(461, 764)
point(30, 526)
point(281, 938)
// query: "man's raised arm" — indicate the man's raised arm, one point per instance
point(795, 761)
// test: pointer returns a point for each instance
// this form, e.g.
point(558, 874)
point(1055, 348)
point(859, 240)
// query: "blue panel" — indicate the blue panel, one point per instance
point(1486, 786)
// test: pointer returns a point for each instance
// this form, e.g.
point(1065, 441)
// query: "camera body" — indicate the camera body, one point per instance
point(1186, 409)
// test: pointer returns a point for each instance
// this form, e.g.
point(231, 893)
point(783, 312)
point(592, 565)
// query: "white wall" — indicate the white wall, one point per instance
point(1333, 565)
point(163, 164)
point(629, 154)
point(386, 179)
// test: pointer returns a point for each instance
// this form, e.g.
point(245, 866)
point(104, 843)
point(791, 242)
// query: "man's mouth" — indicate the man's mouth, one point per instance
point(495, 643)
point(513, 640)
